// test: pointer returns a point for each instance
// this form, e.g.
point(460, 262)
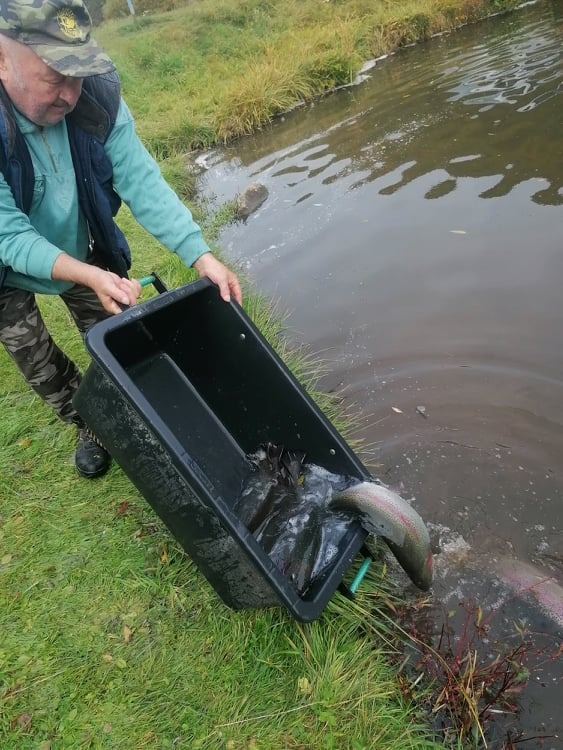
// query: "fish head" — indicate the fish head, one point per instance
point(423, 577)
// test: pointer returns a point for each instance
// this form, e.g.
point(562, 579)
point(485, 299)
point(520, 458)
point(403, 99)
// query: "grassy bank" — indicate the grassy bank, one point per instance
point(109, 636)
point(211, 71)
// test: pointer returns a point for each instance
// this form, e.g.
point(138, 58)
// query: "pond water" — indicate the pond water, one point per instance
point(414, 233)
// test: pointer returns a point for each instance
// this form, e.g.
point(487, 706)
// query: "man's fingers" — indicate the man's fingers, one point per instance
point(228, 285)
point(224, 285)
point(226, 280)
point(131, 288)
point(235, 288)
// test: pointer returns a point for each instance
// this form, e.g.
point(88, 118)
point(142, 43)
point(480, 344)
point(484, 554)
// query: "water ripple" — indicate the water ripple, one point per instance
point(521, 69)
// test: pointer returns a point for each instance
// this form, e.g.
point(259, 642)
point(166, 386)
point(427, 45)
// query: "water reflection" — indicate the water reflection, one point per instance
point(422, 113)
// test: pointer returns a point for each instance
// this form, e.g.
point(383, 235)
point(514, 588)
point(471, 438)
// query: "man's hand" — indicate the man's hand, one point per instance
point(227, 281)
point(112, 290)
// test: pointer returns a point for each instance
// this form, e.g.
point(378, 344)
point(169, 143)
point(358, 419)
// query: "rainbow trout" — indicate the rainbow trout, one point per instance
point(383, 512)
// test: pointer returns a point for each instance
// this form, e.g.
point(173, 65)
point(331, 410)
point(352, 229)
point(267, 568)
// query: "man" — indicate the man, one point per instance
point(69, 154)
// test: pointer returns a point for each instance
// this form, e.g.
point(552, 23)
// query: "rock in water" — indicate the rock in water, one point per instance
point(251, 199)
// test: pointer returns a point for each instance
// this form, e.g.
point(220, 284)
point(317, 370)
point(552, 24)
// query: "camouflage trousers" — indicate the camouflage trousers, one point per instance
point(45, 367)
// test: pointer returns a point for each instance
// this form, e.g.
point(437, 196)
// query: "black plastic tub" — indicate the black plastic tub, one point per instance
point(180, 390)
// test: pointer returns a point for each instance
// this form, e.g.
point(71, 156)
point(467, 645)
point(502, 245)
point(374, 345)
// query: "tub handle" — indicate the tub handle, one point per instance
point(349, 590)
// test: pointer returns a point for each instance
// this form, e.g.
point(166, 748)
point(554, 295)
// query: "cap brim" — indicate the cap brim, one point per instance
point(76, 60)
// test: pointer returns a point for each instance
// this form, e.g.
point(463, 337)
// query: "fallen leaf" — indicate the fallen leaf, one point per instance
point(304, 686)
point(396, 408)
point(6, 559)
point(123, 507)
point(107, 658)
point(106, 729)
point(23, 722)
point(121, 663)
point(127, 633)
point(24, 443)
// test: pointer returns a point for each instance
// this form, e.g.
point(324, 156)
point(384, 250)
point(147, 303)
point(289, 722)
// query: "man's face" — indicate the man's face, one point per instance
point(36, 90)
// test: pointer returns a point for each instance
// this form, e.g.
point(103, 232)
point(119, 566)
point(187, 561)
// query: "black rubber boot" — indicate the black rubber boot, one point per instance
point(91, 458)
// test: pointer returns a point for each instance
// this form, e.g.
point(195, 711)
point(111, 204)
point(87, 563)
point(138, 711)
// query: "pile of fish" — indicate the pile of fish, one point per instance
point(300, 512)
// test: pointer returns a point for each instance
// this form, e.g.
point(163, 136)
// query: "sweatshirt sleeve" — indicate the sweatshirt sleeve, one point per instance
point(140, 184)
point(21, 247)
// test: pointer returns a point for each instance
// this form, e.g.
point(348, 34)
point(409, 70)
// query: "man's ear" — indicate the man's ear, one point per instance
point(3, 59)
point(6, 51)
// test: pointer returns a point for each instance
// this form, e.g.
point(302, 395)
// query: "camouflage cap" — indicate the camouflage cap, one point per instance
point(58, 31)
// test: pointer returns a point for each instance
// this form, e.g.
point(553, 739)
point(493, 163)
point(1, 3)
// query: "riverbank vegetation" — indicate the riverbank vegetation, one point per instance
point(217, 69)
point(110, 637)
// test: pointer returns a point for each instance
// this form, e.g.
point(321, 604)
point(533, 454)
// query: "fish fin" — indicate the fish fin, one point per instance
point(291, 467)
point(274, 456)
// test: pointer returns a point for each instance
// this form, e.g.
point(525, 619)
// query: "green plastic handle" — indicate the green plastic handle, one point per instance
point(146, 280)
point(360, 575)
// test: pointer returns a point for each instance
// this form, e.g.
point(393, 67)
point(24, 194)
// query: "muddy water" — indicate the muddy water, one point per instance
point(414, 233)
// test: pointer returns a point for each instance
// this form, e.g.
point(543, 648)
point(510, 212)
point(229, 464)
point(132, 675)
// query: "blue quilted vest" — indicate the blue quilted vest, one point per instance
point(89, 126)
